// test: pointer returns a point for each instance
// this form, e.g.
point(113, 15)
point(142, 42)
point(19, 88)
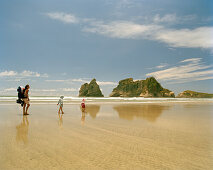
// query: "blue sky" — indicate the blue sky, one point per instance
point(57, 45)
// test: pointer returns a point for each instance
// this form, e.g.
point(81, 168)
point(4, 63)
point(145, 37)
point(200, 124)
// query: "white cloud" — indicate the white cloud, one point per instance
point(83, 80)
point(61, 16)
point(170, 48)
point(190, 38)
point(8, 73)
point(69, 80)
point(54, 90)
point(86, 80)
point(69, 89)
point(156, 30)
point(10, 89)
point(27, 73)
point(43, 90)
point(200, 37)
point(15, 80)
point(104, 83)
point(40, 91)
point(21, 75)
point(56, 80)
point(172, 19)
point(122, 29)
point(48, 90)
point(80, 80)
point(162, 65)
point(166, 18)
point(191, 60)
point(189, 70)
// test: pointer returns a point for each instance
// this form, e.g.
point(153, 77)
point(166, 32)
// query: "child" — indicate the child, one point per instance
point(83, 111)
point(60, 103)
point(83, 104)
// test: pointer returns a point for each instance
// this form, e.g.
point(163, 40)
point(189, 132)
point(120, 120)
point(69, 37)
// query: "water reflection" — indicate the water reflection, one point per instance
point(60, 120)
point(93, 110)
point(22, 130)
point(83, 116)
point(193, 105)
point(147, 112)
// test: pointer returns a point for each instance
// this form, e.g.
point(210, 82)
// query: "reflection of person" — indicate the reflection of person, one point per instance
point(60, 103)
point(26, 100)
point(22, 130)
point(83, 116)
point(60, 120)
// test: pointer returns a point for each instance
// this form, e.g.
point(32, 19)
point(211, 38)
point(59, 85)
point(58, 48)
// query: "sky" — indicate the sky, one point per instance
point(57, 45)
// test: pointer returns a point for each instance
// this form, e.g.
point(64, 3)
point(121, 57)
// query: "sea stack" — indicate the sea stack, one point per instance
point(140, 88)
point(90, 90)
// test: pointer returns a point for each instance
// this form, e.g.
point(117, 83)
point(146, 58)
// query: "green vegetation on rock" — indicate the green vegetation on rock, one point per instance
point(193, 94)
point(140, 88)
point(90, 90)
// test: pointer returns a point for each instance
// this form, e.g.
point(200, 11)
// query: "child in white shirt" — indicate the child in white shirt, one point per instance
point(60, 103)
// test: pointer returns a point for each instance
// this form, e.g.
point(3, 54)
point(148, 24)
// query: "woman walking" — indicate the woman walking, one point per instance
point(26, 100)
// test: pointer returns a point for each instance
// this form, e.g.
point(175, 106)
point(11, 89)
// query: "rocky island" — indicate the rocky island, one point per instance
point(90, 90)
point(194, 94)
point(140, 88)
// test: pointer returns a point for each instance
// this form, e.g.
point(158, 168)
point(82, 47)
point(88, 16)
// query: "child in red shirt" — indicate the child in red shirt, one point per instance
point(83, 104)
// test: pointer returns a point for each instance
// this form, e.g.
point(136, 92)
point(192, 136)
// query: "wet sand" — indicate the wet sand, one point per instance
point(107, 136)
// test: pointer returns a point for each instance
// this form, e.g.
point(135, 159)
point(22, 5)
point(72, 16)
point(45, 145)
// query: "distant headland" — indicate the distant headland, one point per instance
point(194, 94)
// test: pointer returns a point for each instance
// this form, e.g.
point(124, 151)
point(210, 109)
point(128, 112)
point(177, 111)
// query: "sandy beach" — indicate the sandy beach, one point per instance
point(107, 136)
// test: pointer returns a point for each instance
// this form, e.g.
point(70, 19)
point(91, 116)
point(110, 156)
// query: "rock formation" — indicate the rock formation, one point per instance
point(140, 88)
point(90, 90)
point(193, 94)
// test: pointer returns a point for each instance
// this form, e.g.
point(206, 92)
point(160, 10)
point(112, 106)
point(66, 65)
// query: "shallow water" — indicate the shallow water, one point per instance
point(74, 100)
point(108, 136)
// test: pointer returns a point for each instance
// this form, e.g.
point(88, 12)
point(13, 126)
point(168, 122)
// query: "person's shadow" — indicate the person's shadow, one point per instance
point(22, 130)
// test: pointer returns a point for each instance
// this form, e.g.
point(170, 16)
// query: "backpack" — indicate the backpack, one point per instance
point(20, 91)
